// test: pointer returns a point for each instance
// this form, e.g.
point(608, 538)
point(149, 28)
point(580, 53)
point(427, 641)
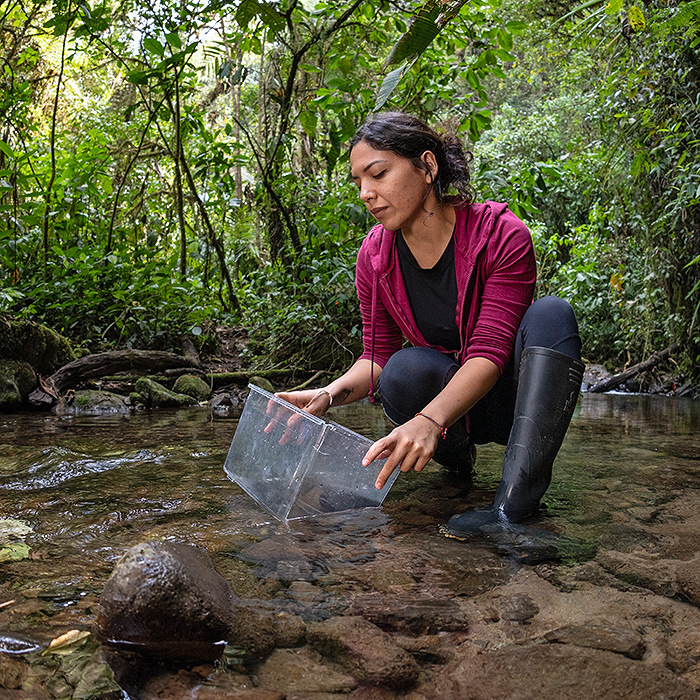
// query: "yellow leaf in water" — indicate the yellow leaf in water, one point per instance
point(67, 642)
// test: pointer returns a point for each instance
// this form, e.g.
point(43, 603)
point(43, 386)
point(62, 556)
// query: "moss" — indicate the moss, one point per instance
point(17, 381)
point(192, 386)
point(263, 383)
point(40, 346)
point(155, 395)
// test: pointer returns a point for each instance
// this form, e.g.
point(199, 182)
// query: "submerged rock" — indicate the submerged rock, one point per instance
point(169, 599)
point(561, 671)
point(365, 651)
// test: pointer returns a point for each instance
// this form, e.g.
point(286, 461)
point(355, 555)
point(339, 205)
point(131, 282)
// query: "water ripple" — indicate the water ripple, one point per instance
point(56, 465)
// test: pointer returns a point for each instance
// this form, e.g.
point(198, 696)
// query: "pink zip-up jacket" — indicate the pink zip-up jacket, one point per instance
point(496, 273)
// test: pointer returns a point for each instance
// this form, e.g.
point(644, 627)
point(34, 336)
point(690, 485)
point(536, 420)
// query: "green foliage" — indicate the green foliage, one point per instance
point(312, 319)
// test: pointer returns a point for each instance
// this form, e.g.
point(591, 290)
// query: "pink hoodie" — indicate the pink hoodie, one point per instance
point(496, 273)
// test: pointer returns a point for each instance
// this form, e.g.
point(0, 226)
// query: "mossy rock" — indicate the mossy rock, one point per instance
point(93, 402)
point(192, 386)
point(17, 380)
point(263, 383)
point(155, 395)
point(43, 348)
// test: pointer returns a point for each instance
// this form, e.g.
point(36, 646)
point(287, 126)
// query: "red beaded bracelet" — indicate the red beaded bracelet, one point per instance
point(443, 429)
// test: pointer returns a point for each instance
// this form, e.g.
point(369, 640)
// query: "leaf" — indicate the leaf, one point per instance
point(636, 18)
point(613, 7)
point(505, 39)
point(154, 46)
point(422, 30)
point(15, 552)
point(174, 40)
point(67, 643)
point(390, 82)
point(6, 149)
point(137, 77)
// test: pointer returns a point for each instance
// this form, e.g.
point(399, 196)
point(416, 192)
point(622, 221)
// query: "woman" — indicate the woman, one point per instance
point(456, 279)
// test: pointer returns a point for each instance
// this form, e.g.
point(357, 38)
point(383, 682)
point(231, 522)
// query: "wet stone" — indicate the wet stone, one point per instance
point(259, 628)
point(13, 672)
point(367, 652)
point(518, 609)
point(168, 597)
point(410, 613)
point(296, 672)
point(688, 580)
point(564, 672)
point(615, 639)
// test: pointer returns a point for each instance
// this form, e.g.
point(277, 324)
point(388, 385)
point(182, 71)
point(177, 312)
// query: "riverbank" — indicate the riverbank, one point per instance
point(598, 597)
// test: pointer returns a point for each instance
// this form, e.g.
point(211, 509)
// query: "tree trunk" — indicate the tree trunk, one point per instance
point(71, 375)
point(618, 379)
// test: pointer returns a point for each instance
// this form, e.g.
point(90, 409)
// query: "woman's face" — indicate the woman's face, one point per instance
point(392, 188)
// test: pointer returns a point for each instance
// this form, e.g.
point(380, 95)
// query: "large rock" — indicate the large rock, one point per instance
point(155, 395)
point(365, 651)
point(169, 598)
point(297, 672)
point(192, 386)
point(564, 672)
point(40, 346)
point(17, 380)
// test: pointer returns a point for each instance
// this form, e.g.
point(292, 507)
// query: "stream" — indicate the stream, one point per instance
point(613, 553)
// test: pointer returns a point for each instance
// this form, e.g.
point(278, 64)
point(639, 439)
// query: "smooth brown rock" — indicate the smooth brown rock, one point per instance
point(297, 672)
point(564, 672)
point(615, 639)
point(169, 597)
point(366, 651)
point(688, 580)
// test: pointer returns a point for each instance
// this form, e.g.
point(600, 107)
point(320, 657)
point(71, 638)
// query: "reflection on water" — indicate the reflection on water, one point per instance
point(88, 488)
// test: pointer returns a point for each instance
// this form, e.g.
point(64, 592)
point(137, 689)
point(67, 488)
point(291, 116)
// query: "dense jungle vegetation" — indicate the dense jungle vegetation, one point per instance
point(167, 167)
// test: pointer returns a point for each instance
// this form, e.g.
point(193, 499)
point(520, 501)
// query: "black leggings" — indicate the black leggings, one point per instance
point(413, 377)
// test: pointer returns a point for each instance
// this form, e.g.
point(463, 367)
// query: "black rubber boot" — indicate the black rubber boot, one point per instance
point(548, 388)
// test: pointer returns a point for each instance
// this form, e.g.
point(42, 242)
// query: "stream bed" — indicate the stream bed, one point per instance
point(598, 597)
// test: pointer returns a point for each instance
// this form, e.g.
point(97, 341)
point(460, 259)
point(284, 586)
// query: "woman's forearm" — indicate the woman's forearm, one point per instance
point(474, 379)
point(354, 384)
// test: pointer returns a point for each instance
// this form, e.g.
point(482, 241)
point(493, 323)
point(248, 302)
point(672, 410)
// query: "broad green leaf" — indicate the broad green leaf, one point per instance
point(308, 121)
point(636, 18)
point(154, 46)
point(516, 27)
point(390, 82)
point(613, 7)
point(137, 77)
point(505, 39)
point(6, 149)
point(174, 40)
point(422, 30)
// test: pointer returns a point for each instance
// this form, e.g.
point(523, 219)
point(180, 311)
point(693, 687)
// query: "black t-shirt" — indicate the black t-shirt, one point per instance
point(432, 293)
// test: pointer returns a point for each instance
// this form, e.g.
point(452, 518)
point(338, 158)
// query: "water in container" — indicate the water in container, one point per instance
point(296, 465)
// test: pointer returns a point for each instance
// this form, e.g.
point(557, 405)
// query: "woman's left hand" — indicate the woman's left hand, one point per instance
point(409, 446)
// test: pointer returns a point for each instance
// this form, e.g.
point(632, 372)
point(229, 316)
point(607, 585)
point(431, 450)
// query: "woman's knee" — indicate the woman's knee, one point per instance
point(550, 322)
point(411, 379)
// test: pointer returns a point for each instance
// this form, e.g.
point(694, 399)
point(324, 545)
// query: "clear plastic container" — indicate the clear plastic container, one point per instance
point(296, 465)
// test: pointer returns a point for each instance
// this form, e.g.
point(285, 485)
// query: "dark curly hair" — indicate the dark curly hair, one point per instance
point(409, 137)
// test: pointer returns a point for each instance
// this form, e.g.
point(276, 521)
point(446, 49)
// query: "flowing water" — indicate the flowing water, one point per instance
point(77, 491)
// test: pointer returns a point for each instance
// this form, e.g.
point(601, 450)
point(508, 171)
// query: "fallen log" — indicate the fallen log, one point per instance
point(615, 381)
point(92, 366)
